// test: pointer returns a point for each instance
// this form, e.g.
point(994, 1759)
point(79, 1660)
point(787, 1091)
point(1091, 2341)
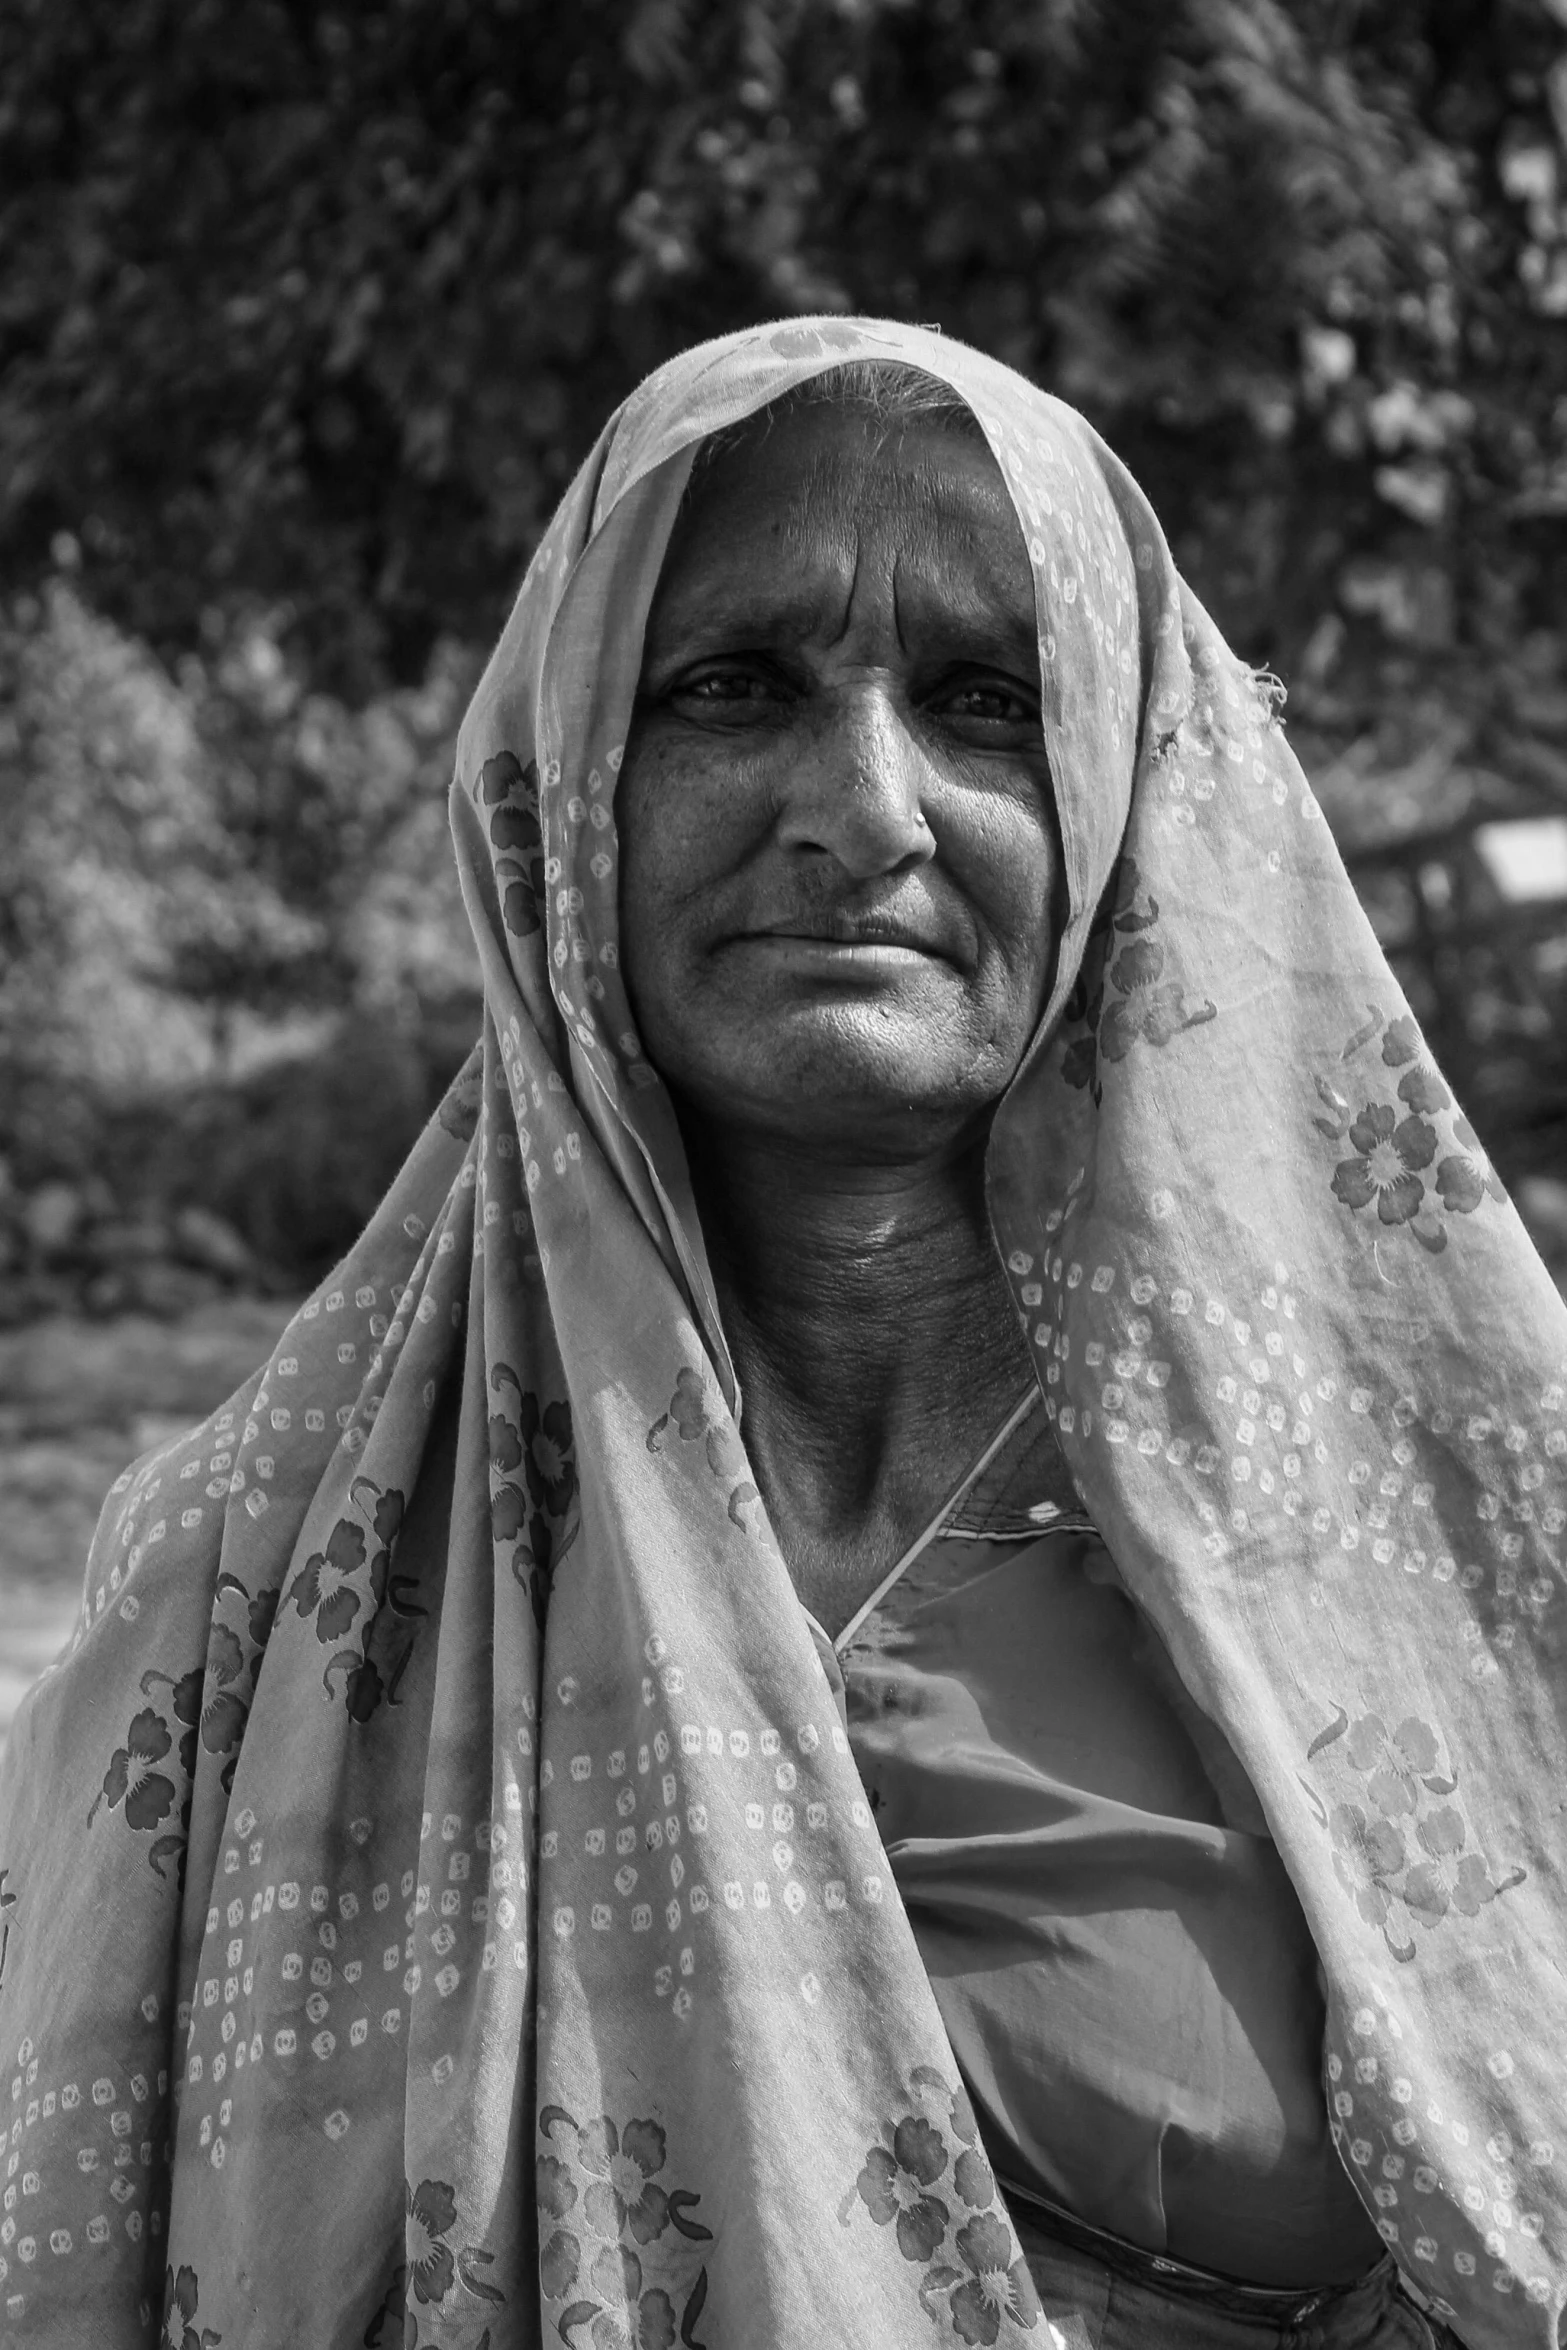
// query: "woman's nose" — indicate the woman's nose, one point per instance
point(858, 791)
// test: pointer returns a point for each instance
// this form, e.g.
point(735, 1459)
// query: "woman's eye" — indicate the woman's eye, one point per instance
point(724, 689)
point(995, 703)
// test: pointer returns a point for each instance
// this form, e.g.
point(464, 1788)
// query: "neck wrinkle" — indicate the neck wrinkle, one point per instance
point(861, 1303)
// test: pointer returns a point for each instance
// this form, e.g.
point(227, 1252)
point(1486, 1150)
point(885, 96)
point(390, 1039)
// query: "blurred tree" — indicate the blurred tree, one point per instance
point(321, 303)
point(231, 939)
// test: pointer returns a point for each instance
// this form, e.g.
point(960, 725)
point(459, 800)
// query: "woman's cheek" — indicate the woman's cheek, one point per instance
point(1005, 863)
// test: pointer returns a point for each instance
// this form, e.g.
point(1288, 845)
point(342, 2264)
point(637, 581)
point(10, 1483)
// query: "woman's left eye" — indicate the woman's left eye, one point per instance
point(989, 700)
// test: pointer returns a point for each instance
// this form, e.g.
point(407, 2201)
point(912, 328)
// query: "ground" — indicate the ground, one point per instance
point(78, 1400)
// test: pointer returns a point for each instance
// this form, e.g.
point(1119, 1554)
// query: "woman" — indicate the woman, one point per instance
point(923, 1003)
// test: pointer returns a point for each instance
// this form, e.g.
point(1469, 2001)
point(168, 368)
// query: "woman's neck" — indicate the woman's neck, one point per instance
point(872, 1332)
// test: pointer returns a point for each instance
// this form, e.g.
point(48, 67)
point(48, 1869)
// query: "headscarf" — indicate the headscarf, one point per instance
point(439, 1901)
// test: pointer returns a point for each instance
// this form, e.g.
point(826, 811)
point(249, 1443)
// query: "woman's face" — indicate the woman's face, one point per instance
point(839, 858)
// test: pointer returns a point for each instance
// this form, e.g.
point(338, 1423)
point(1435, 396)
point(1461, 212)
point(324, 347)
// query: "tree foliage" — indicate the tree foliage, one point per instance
point(323, 302)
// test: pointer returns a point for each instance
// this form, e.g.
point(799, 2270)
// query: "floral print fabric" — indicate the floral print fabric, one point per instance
point(437, 1900)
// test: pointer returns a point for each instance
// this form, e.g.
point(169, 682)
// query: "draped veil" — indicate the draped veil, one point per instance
point(437, 1903)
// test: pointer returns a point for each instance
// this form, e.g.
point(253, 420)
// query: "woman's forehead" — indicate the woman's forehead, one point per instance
point(821, 491)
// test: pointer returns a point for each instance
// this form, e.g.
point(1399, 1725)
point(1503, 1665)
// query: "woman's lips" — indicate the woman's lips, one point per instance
point(865, 959)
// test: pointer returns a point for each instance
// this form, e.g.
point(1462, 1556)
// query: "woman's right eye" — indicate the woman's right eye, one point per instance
point(724, 689)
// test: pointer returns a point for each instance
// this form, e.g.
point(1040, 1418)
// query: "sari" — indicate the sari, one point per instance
point(439, 1904)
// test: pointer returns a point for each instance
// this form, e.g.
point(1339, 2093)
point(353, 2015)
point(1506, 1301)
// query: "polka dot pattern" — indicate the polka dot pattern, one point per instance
point(434, 1885)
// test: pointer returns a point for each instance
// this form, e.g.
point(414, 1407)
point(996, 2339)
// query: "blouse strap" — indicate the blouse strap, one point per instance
point(965, 1485)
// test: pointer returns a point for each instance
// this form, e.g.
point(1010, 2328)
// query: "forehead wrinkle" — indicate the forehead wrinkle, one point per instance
point(967, 548)
point(956, 550)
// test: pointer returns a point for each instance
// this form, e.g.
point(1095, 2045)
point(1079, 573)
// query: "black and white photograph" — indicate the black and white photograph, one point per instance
point(783, 1175)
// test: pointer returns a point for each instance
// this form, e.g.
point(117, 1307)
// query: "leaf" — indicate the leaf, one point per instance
point(693, 2310)
point(478, 2286)
point(228, 1582)
point(362, 1690)
point(1132, 920)
point(1364, 1035)
point(553, 2114)
point(1335, 1729)
point(225, 1656)
point(1440, 1786)
point(655, 1432)
point(680, 2201)
point(1335, 1132)
point(741, 1499)
point(1402, 1951)
point(1433, 1239)
point(1314, 1799)
point(1329, 1094)
point(576, 2315)
point(167, 1848)
point(937, 2282)
point(1514, 1876)
point(502, 1375)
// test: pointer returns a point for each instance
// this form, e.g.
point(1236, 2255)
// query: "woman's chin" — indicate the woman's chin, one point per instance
point(842, 1071)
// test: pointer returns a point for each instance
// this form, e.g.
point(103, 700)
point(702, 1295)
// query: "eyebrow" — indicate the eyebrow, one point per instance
point(743, 616)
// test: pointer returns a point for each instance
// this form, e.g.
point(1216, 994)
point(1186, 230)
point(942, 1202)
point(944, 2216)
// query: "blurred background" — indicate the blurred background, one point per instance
point(307, 313)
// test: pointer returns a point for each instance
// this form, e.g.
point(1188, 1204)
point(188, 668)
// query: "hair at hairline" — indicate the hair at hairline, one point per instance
point(885, 392)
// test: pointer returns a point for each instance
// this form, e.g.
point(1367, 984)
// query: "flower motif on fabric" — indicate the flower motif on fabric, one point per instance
point(1448, 1877)
point(223, 1709)
point(1394, 1164)
point(696, 1415)
point(201, 1704)
point(324, 1585)
point(1466, 1177)
point(1392, 1153)
point(136, 1787)
point(348, 1586)
point(929, 2184)
point(998, 2284)
point(180, 2291)
point(511, 792)
point(260, 1616)
point(614, 2236)
point(625, 2193)
point(547, 1455)
point(615, 2307)
point(1125, 993)
point(895, 2186)
point(1397, 1763)
point(1401, 1847)
point(205, 1703)
point(459, 1110)
point(542, 1513)
point(1367, 1854)
point(433, 2264)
